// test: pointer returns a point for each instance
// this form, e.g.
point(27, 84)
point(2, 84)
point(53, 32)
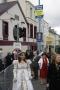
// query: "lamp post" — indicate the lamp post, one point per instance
point(39, 34)
point(39, 2)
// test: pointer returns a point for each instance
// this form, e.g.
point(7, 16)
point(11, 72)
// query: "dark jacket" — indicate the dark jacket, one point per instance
point(53, 77)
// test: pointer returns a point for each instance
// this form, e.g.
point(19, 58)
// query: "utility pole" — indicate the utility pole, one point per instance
point(39, 35)
point(39, 2)
point(39, 44)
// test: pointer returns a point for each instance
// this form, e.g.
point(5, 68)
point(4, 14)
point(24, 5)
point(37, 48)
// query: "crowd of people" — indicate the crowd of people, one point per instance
point(6, 61)
point(27, 66)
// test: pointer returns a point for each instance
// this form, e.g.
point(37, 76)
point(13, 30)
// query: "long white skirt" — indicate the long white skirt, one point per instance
point(22, 84)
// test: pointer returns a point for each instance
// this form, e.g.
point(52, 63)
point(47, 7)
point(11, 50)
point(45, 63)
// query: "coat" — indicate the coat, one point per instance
point(53, 77)
point(43, 64)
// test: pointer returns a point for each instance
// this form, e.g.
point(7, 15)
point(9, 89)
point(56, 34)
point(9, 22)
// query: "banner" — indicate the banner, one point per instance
point(39, 11)
point(39, 37)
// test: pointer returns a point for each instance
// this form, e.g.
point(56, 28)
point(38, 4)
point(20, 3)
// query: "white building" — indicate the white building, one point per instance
point(33, 24)
point(14, 13)
point(11, 14)
point(28, 9)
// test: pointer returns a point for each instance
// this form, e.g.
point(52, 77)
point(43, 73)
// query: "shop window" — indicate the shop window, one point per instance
point(30, 12)
point(31, 30)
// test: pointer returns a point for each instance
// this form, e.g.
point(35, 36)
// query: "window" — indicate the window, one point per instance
point(31, 30)
point(24, 34)
point(5, 30)
point(16, 17)
point(30, 12)
point(35, 31)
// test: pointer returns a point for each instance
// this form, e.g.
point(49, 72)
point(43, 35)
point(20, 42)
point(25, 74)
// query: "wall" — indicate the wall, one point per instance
point(1, 36)
point(10, 13)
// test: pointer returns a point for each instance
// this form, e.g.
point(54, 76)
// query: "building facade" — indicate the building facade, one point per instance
point(11, 15)
point(15, 14)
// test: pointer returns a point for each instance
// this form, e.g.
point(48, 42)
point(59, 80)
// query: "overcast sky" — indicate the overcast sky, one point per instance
point(51, 12)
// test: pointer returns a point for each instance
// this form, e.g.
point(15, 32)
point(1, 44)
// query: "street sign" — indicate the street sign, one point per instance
point(17, 45)
point(39, 37)
point(39, 11)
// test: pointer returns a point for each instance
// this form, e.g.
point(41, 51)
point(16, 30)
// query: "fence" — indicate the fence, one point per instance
point(6, 78)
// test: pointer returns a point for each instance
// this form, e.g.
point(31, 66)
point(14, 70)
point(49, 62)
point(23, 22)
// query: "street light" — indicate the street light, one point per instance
point(39, 34)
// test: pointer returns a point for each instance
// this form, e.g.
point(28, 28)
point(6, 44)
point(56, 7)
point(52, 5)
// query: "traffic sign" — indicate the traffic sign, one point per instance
point(39, 11)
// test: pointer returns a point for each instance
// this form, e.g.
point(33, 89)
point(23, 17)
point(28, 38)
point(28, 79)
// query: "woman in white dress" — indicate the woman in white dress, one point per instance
point(22, 74)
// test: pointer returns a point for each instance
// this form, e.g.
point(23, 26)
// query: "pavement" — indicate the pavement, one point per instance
point(36, 85)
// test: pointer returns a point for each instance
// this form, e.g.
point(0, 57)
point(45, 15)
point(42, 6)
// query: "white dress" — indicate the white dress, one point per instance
point(22, 76)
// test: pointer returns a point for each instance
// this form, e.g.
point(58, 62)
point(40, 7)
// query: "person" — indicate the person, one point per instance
point(43, 65)
point(53, 78)
point(22, 74)
point(29, 61)
point(35, 66)
point(8, 59)
point(29, 54)
point(1, 65)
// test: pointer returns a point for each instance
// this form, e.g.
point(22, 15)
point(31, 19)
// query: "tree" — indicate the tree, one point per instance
point(22, 32)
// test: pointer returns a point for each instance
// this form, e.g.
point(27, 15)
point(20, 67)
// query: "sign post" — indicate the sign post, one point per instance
point(39, 15)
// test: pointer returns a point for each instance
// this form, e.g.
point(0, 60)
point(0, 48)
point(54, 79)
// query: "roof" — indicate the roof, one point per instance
point(30, 3)
point(7, 5)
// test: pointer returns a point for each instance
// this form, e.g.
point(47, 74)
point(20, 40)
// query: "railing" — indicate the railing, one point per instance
point(6, 78)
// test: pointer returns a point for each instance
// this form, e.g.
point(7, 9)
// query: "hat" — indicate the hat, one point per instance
point(57, 49)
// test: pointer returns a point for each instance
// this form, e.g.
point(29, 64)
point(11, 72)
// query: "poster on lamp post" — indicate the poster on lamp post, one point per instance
point(39, 11)
point(39, 37)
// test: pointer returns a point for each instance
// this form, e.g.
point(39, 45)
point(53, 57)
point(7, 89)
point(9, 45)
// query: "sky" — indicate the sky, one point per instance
point(51, 10)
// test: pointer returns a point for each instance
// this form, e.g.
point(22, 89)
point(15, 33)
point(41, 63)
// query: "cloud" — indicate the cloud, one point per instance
point(51, 12)
point(57, 29)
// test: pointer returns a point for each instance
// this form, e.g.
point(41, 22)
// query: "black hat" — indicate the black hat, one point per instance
point(57, 49)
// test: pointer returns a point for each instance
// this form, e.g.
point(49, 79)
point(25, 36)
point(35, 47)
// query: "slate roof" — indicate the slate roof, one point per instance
point(7, 5)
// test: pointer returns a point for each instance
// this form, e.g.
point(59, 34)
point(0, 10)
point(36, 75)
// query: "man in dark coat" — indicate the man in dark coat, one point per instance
point(53, 78)
point(1, 65)
point(8, 60)
point(35, 66)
